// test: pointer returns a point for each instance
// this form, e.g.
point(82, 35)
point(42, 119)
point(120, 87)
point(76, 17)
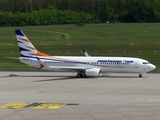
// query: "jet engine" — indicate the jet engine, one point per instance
point(93, 72)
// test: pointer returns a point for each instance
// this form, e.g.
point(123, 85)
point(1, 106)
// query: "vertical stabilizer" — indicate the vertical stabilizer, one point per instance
point(25, 46)
point(85, 53)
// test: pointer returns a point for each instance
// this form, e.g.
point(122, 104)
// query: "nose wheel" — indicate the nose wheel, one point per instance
point(140, 75)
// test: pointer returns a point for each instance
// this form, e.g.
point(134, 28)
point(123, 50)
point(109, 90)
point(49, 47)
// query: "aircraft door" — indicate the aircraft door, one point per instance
point(136, 64)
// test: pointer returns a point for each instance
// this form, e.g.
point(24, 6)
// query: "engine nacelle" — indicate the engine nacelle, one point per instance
point(93, 72)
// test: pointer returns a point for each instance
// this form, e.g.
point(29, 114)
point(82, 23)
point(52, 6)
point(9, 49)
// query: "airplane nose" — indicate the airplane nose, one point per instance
point(152, 67)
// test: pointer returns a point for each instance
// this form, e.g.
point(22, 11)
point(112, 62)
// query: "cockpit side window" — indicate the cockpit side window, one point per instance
point(145, 62)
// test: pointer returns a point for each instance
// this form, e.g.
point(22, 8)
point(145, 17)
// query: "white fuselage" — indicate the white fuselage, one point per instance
point(84, 66)
point(105, 64)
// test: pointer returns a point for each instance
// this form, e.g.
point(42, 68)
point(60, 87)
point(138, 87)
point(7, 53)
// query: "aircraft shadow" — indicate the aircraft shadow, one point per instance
point(14, 75)
point(108, 76)
point(66, 77)
point(75, 77)
point(50, 76)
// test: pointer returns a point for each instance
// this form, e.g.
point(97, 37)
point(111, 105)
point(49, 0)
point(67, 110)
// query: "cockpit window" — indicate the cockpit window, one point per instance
point(145, 62)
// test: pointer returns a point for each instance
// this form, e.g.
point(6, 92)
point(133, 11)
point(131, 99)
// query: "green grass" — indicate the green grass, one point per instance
point(106, 39)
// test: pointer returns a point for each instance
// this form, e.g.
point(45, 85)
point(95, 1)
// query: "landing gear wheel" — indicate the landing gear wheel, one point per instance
point(140, 75)
point(79, 75)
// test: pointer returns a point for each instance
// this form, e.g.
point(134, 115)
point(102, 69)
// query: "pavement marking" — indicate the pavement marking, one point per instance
point(34, 105)
point(50, 106)
point(22, 107)
point(15, 105)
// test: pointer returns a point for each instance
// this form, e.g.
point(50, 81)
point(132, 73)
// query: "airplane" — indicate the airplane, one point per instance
point(84, 66)
point(85, 53)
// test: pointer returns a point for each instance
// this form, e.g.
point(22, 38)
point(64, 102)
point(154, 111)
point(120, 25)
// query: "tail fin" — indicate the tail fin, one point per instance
point(25, 46)
point(85, 53)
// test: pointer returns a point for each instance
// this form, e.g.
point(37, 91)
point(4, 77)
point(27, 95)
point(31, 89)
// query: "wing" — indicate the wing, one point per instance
point(67, 68)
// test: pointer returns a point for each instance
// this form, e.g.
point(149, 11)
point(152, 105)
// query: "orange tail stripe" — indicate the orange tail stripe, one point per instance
point(41, 54)
point(26, 40)
point(31, 48)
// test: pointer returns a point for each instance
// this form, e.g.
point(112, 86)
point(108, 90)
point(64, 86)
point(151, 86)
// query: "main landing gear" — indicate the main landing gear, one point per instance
point(81, 74)
point(140, 75)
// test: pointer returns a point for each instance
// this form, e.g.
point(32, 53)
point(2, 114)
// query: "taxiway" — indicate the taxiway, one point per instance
point(62, 96)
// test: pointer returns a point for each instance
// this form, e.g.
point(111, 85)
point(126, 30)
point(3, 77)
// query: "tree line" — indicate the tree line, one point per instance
point(47, 16)
point(47, 12)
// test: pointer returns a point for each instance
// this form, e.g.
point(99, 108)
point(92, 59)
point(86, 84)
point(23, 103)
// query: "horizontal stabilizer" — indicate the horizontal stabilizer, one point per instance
point(16, 58)
point(12, 58)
